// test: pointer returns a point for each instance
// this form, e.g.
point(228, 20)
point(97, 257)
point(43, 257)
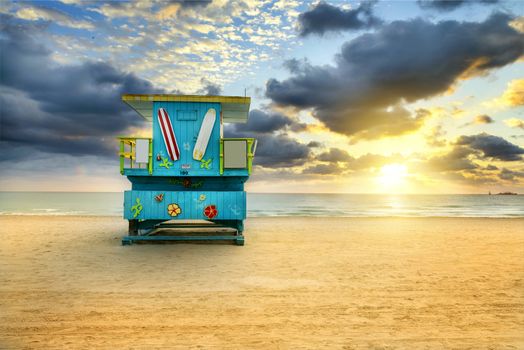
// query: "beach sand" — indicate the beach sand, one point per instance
point(298, 283)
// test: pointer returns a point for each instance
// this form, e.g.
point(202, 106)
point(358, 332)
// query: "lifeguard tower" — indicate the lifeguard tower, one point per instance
point(187, 170)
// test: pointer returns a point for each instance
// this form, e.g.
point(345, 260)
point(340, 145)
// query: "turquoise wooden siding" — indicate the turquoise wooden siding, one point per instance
point(186, 118)
point(230, 205)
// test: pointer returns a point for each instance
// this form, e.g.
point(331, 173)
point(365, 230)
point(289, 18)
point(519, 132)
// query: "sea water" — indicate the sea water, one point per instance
point(273, 204)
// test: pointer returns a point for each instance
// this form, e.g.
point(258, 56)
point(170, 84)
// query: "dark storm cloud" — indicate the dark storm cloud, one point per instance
point(450, 5)
point(375, 74)
point(314, 144)
point(468, 149)
point(510, 175)
point(60, 108)
point(324, 18)
point(273, 150)
point(268, 122)
point(191, 3)
point(324, 169)
point(209, 88)
point(491, 146)
point(458, 159)
point(334, 155)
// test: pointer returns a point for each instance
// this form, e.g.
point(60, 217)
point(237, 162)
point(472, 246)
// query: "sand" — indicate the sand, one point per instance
point(299, 283)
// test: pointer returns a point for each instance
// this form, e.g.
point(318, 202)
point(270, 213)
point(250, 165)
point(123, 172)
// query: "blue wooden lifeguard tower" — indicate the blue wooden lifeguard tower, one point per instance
point(187, 170)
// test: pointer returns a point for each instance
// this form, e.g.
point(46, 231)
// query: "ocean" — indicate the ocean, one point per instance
point(266, 205)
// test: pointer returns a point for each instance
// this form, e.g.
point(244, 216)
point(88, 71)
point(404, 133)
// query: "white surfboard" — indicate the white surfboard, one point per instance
point(204, 134)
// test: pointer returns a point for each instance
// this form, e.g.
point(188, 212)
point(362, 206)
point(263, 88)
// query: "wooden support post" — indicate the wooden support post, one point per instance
point(133, 227)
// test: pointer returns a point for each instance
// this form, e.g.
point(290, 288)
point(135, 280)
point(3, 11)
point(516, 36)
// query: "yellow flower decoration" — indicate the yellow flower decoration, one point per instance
point(202, 197)
point(173, 209)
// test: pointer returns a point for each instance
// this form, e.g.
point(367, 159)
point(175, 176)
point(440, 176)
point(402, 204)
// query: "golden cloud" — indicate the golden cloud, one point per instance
point(514, 123)
point(513, 96)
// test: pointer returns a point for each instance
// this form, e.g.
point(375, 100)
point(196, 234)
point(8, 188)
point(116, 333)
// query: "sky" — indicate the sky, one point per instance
point(347, 97)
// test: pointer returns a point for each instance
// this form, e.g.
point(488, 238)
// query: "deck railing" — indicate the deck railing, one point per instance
point(130, 153)
point(251, 149)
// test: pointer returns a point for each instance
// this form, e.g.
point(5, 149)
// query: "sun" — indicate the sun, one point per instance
point(392, 175)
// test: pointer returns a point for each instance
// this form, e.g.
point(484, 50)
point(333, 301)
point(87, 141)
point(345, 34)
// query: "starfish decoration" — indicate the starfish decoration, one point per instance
point(137, 208)
point(235, 209)
point(205, 163)
point(165, 163)
point(186, 146)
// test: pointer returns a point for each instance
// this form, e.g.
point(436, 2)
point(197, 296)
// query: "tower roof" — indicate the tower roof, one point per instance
point(235, 109)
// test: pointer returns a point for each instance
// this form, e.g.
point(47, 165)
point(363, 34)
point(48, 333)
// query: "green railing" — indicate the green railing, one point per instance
point(251, 148)
point(130, 153)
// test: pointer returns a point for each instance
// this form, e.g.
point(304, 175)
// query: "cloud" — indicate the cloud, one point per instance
point(370, 160)
point(514, 123)
point(336, 161)
point(464, 161)
point(34, 13)
point(479, 120)
point(450, 5)
point(324, 169)
point(334, 155)
point(493, 147)
point(324, 18)
point(262, 122)
point(209, 88)
point(62, 109)
point(435, 137)
point(510, 175)
point(314, 144)
point(518, 24)
point(273, 149)
point(376, 74)
point(513, 96)
point(483, 119)
point(460, 164)
point(457, 159)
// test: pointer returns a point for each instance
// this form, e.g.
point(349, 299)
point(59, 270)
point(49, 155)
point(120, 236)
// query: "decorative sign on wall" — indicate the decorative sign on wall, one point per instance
point(173, 209)
point(137, 208)
point(210, 211)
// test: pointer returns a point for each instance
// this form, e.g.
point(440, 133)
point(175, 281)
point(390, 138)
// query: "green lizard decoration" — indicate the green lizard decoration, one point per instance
point(205, 163)
point(137, 208)
point(165, 163)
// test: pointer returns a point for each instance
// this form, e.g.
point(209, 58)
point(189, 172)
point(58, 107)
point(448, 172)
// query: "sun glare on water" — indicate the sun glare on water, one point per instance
point(392, 176)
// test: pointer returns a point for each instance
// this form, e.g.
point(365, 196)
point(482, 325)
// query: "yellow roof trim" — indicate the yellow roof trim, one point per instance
point(187, 98)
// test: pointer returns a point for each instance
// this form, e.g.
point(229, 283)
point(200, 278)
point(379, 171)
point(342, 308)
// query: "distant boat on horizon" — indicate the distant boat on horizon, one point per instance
point(506, 193)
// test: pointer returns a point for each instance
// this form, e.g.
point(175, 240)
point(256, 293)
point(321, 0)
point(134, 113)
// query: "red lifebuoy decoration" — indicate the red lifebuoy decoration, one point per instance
point(210, 211)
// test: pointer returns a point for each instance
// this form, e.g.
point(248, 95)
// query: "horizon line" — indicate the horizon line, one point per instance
point(254, 192)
